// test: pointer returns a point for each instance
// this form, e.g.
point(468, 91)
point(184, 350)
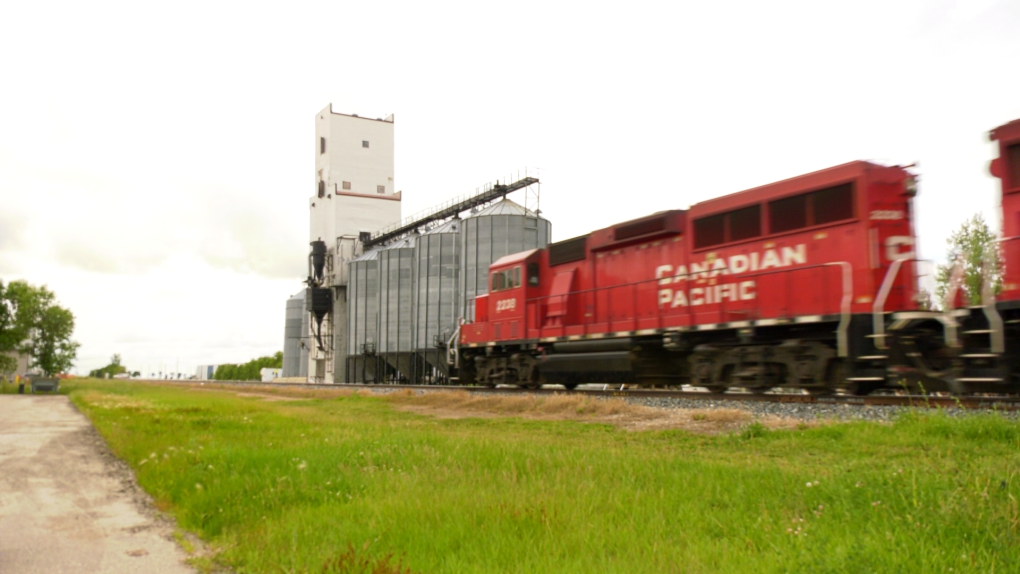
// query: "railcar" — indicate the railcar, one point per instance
point(1006, 342)
point(791, 284)
point(975, 348)
point(965, 349)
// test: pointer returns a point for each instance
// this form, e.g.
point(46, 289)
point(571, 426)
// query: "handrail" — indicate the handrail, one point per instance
point(437, 213)
point(878, 309)
point(845, 304)
point(997, 335)
point(452, 357)
point(955, 280)
point(842, 343)
point(447, 212)
point(688, 277)
point(948, 321)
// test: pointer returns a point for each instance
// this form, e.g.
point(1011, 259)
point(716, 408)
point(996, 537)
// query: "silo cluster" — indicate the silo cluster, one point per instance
point(406, 298)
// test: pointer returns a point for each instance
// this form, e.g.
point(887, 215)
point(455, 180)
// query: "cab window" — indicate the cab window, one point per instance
point(532, 274)
point(507, 279)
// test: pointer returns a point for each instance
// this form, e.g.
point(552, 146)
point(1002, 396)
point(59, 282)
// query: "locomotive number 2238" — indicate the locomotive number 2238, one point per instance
point(506, 305)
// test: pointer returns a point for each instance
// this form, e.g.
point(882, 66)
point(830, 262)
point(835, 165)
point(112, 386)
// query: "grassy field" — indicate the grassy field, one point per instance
point(354, 484)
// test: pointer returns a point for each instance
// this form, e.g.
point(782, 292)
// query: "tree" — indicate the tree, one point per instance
point(107, 372)
point(19, 303)
point(11, 333)
point(51, 347)
point(975, 248)
point(32, 323)
point(249, 371)
point(925, 300)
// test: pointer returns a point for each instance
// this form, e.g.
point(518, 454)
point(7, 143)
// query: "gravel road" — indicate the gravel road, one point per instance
point(69, 506)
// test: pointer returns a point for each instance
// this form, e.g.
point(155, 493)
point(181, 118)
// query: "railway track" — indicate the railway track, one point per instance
point(1006, 403)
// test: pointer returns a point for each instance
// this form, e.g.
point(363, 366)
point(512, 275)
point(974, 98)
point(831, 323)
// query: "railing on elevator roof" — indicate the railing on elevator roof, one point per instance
point(450, 208)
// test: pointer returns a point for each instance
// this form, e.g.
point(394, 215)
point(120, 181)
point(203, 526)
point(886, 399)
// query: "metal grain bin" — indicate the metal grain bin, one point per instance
point(363, 318)
point(294, 327)
point(306, 322)
point(396, 308)
point(500, 229)
point(438, 301)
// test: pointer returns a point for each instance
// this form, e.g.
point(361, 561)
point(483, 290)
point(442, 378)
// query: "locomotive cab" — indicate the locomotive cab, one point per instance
point(513, 280)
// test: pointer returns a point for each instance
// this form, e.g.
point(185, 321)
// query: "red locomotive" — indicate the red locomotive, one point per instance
point(806, 283)
point(775, 286)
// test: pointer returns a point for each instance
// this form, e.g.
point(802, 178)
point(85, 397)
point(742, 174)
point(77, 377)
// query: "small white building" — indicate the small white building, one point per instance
point(205, 372)
point(269, 374)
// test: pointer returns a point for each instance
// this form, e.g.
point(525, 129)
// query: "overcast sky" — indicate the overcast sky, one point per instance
point(156, 159)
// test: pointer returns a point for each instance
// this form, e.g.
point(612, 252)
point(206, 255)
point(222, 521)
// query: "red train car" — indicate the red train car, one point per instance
point(787, 284)
point(973, 349)
point(1006, 168)
point(986, 344)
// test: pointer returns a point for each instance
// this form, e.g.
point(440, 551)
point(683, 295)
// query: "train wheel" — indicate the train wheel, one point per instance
point(570, 386)
point(773, 376)
point(860, 388)
point(720, 384)
point(835, 376)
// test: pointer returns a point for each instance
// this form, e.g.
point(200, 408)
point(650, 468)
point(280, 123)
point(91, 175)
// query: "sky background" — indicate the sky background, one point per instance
point(156, 159)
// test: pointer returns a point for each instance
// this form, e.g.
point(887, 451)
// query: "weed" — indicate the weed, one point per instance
point(721, 415)
point(350, 561)
point(754, 430)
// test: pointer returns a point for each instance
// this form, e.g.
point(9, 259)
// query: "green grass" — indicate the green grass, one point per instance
point(351, 485)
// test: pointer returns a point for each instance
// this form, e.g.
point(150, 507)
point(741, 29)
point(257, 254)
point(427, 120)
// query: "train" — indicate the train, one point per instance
point(810, 283)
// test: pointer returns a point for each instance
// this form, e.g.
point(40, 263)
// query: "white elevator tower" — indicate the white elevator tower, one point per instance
point(355, 192)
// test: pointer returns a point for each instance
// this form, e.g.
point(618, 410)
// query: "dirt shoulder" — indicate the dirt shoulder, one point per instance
point(461, 404)
point(67, 504)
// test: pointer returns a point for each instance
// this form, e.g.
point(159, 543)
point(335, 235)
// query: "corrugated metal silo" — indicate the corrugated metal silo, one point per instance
point(438, 301)
point(306, 320)
point(500, 229)
point(396, 309)
point(292, 333)
point(363, 318)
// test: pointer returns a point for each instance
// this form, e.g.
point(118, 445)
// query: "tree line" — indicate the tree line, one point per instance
point(248, 371)
point(32, 324)
point(113, 369)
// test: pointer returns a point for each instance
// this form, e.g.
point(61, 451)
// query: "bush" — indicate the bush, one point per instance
point(249, 371)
